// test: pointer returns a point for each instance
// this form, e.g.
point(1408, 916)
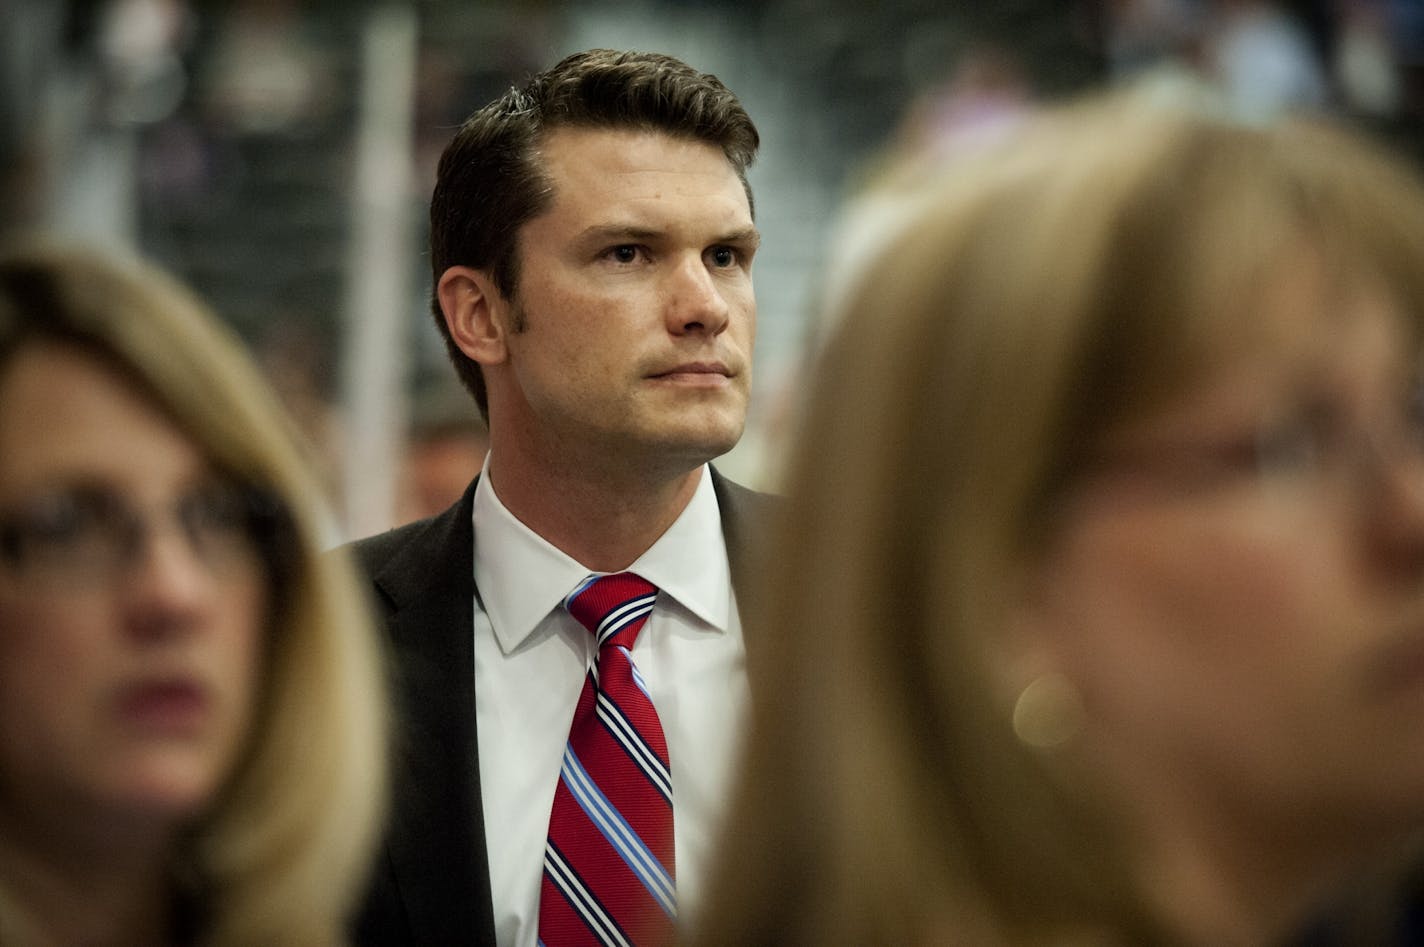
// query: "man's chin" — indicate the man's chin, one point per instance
point(695, 447)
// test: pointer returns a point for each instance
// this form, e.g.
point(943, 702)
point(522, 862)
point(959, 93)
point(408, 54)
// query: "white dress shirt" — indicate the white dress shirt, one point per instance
point(530, 660)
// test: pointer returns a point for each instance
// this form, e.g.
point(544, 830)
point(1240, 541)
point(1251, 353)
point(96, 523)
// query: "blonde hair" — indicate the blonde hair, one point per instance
point(284, 851)
point(1046, 290)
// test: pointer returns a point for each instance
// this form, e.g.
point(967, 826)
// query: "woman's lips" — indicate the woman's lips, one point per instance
point(165, 707)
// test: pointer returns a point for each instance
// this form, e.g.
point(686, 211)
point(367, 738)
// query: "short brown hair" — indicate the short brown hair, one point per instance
point(490, 182)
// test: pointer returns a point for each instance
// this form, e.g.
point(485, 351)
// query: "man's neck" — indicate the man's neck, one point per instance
point(601, 520)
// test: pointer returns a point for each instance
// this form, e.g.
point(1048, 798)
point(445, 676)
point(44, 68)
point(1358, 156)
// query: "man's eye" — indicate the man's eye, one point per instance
point(625, 253)
point(723, 256)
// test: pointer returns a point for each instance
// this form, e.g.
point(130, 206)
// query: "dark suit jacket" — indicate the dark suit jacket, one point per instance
point(432, 882)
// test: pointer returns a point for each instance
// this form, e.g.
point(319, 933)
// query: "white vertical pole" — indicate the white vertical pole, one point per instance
point(378, 269)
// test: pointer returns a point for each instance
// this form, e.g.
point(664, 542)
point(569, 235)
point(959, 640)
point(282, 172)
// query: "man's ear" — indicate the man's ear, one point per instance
point(474, 313)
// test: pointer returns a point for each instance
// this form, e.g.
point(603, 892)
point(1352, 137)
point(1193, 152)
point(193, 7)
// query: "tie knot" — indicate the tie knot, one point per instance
point(613, 607)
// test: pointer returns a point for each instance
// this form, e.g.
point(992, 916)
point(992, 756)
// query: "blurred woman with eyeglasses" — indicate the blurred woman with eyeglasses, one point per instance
point(192, 722)
point(1104, 624)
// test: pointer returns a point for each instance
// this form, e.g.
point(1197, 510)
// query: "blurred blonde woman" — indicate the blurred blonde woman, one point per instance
point(1100, 616)
point(192, 723)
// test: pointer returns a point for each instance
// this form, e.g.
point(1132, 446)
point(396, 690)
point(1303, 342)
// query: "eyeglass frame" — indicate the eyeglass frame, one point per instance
point(124, 532)
point(1317, 438)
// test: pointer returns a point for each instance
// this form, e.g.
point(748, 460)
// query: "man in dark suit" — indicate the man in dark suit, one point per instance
point(591, 240)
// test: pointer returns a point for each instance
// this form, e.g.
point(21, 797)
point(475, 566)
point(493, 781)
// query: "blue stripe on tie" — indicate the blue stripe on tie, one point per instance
point(581, 900)
point(619, 834)
point(638, 676)
point(580, 589)
point(623, 731)
point(624, 615)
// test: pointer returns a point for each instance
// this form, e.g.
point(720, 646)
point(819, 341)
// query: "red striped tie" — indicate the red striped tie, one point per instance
point(608, 864)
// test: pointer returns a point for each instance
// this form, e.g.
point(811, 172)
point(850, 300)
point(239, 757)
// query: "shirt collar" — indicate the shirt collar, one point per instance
point(521, 577)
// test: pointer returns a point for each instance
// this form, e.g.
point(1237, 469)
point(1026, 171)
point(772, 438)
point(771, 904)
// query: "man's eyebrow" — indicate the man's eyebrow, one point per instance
point(747, 236)
point(618, 232)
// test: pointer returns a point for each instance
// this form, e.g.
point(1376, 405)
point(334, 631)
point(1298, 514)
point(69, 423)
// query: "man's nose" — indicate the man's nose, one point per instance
point(694, 300)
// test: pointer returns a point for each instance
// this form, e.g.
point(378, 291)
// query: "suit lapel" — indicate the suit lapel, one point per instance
point(743, 514)
point(437, 847)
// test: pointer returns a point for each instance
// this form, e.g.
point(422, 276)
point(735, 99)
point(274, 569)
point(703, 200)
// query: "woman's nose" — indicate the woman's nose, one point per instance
point(168, 587)
point(1398, 503)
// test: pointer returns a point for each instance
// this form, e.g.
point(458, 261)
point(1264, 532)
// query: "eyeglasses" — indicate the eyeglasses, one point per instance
point(1320, 440)
point(1316, 443)
point(88, 536)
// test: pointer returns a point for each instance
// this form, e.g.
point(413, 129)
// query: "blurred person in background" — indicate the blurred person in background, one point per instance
point(1107, 624)
point(591, 246)
point(1263, 58)
point(192, 730)
point(445, 447)
point(985, 95)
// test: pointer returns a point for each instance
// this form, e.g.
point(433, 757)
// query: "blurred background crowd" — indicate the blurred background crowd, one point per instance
point(278, 155)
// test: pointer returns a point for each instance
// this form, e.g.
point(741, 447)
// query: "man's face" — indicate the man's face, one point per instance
point(634, 318)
